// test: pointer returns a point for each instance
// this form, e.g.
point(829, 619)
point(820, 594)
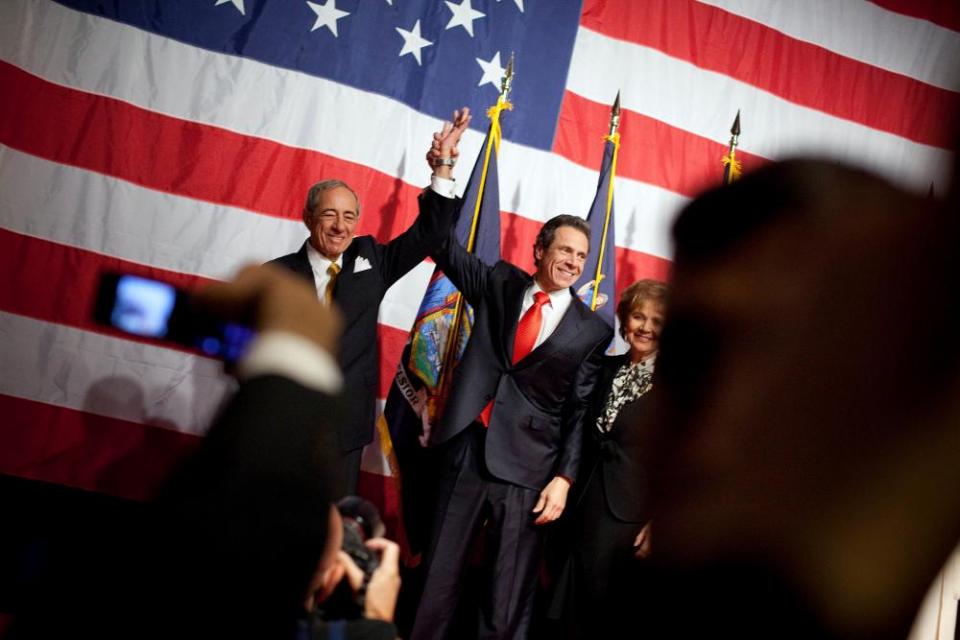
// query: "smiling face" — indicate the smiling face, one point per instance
point(561, 263)
point(333, 221)
point(642, 330)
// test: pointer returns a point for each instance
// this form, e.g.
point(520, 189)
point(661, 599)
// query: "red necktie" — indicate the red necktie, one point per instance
point(523, 342)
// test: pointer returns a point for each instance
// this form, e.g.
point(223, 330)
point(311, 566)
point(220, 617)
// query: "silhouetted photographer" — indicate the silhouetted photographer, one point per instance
point(238, 535)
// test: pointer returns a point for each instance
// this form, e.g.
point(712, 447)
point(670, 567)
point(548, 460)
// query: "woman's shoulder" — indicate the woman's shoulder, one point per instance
point(615, 361)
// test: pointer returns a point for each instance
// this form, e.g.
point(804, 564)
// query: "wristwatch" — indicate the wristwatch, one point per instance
point(444, 162)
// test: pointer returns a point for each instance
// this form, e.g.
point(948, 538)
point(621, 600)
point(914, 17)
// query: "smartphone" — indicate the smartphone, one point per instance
point(159, 310)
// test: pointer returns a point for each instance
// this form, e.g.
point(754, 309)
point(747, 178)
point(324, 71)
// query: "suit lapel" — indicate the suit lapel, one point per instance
point(302, 265)
point(346, 271)
point(610, 367)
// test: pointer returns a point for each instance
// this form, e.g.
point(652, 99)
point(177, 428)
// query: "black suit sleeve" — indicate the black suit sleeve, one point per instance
point(242, 526)
point(576, 409)
point(434, 222)
point(465, 270)
point(229, 546)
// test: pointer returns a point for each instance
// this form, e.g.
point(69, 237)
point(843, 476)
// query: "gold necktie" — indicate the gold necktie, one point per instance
point(332, 271)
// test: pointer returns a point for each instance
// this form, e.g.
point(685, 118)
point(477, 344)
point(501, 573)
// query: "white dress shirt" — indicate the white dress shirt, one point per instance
point(319, 263)
point(292, 356)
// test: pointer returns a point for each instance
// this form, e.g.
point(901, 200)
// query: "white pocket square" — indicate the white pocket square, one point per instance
point(361, 264)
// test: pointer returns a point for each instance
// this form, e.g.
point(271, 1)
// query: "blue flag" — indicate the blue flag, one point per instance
point(601, 261)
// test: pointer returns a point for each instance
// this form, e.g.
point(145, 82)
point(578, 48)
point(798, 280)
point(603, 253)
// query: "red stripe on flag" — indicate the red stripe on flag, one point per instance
point(185, 158)
point(716, 40)
point(633, 266)
point(392, 341)
point(76, 128)
point(946, 14)
point(58, 283)
point(651, 151)
point(88, 451)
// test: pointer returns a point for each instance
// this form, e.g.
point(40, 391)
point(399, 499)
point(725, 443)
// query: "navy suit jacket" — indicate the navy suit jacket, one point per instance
point(535, 429)
point(358, 295)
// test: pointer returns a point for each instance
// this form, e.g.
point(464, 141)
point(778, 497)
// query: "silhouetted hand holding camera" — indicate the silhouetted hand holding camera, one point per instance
point(359, 572)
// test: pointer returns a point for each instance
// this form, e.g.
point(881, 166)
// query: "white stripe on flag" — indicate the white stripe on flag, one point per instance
point(533, 183)
point(87, 371)
point(136, 224)
point(187, 236)
point(675, 91)
point(862, 31)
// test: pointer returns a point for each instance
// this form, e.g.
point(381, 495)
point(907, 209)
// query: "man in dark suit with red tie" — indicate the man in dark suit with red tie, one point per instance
point(512, 426)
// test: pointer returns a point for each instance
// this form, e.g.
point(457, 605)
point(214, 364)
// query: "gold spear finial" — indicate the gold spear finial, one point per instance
point(507, 81)
point(615, 116)
point(731, 170)
point(735, 131)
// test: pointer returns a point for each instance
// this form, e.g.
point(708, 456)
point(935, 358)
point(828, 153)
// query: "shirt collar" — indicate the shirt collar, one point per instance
point(318, 262)
point(555, 297)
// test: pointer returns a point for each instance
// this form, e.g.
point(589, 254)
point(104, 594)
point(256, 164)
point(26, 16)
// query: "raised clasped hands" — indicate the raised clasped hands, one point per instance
point(444, 145)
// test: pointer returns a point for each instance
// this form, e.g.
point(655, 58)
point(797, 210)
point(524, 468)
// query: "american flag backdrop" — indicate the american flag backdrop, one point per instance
point(177, 139)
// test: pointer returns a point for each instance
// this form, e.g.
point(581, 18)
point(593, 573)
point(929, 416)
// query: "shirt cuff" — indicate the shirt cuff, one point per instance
point(443, 186)
point(291, 356)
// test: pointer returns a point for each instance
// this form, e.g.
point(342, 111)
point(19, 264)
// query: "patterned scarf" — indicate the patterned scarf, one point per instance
point(630, 382)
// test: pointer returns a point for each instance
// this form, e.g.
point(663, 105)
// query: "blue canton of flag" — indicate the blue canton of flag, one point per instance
point(432, 56)
point(601, 262)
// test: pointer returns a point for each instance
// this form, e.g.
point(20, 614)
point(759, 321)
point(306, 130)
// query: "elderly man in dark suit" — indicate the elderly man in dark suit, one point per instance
point(355, 273)
point(512, 425)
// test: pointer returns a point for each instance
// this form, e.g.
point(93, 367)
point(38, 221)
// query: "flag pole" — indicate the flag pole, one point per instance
point(614, 137)
point(493, 139)
point(731, 166)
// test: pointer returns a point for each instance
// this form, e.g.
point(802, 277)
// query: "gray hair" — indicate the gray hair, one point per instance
point(313, 197)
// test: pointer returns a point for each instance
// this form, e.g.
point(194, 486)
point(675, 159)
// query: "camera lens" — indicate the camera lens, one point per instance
point(364, 514)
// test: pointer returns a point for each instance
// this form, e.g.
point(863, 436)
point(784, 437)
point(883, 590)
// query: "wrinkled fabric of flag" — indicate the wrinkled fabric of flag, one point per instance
point(177, 139)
